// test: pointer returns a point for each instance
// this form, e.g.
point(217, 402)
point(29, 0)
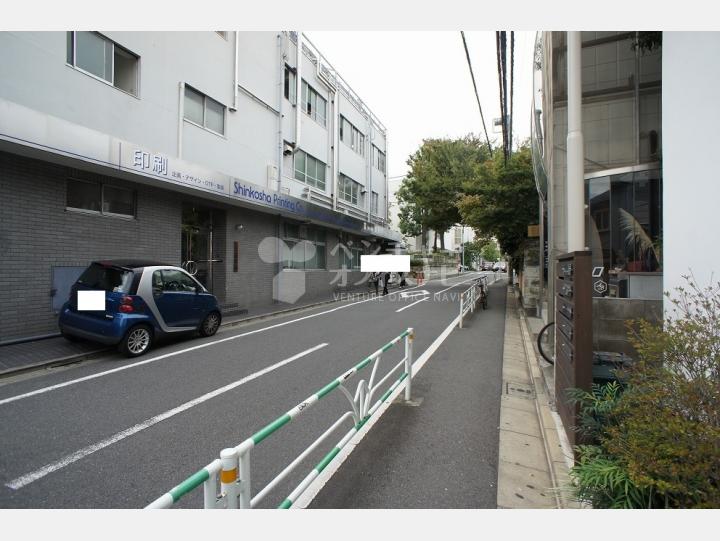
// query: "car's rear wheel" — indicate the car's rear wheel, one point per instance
point(210, 324)
point(136, 341)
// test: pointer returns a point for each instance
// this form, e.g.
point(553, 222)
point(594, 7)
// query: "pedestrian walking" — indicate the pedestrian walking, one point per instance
point(403, 283)
point(375, 280)
point(385, 279)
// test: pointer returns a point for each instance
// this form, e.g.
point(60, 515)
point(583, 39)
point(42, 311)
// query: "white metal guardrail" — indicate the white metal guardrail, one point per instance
point(469, 298)
point(232, 469)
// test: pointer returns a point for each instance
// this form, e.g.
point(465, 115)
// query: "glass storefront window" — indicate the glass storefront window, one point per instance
point(625, 223)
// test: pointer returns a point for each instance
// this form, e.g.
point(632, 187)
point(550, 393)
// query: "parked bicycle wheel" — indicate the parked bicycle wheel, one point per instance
point(540, 344)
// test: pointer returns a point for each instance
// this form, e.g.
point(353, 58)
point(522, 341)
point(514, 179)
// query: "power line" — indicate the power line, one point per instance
point(512, 83)
point(477, 97)
point(499, 45)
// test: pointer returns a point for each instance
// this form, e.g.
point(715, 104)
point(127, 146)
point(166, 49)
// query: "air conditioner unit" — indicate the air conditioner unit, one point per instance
point(306, 192)
point(288, 148)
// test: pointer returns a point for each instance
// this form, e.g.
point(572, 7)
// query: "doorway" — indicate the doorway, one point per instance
point(198, 256)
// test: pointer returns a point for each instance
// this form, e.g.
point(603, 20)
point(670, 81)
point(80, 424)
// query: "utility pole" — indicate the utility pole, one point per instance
point(575, 151)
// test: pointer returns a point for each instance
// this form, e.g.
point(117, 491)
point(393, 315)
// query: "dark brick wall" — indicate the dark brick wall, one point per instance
point(37, 233)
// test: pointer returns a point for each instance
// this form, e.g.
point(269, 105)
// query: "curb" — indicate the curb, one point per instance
point(540, 386)
point(58, 361)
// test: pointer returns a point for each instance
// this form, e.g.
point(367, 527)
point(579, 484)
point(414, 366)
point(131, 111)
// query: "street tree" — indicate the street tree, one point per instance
point(490, 251)
point(438, 171)
point(501, 201)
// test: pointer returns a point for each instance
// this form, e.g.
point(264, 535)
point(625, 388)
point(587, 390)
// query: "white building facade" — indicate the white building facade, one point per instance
point(184, 147)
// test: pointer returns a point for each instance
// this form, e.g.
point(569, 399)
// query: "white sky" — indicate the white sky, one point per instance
point(418, 83)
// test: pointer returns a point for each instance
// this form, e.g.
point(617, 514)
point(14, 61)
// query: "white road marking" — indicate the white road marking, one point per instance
point(455, 284)
point(311, 491)
point(413, 304)
point(171, 354)
point(405, 294)
point(180, 352)
point(90, 449)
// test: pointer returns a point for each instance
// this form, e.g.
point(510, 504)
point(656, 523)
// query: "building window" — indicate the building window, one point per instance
point(304, 248)
point(290, 84)
point(351, 258)
point(309, 170)
point(314, 105)
point(351, 136)
point(375, 203)
point(204, 111)
point(378, 159)
point(100, 198)
point(102, 58)
point(349, 190)
point(458, 237)
point(625, 212)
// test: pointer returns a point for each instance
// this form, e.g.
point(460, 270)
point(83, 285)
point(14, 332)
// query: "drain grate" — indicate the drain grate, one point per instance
point(521, 390)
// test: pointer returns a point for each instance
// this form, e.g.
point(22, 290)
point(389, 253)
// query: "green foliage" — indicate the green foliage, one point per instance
point(438, 171)
point(647, 41)
point(603, 482)
point(490, 251)
point(596, 408)
point(501, 199)
point(663, 433)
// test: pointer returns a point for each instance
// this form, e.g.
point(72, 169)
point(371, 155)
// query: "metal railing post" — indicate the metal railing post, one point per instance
point(461, 309)
point(245, 495)
point(228, 477)
point(210, 492)
point(408, 362)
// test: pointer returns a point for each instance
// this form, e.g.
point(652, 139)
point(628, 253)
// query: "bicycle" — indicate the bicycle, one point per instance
point(483, 297)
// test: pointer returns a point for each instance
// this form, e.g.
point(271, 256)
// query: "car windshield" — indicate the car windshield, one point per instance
point(108, 278)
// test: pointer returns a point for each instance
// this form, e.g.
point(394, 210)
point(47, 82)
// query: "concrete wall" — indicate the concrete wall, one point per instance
point(690, 117)
point(610, 318)
point(34, 73)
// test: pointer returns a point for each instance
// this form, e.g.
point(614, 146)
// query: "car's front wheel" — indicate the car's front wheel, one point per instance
point(136, 341)
point(210, 324)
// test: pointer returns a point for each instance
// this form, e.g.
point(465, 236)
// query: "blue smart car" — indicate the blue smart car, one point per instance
point(143, 299)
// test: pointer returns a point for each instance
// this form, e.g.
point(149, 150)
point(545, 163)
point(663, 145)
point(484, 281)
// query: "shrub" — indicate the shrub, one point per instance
point(658, 444)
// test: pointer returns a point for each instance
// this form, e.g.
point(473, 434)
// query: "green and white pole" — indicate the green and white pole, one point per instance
point(317, 470)
point(204, 476)
point(408, 362)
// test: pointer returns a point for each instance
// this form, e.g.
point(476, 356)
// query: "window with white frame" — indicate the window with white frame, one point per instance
point(289, 84)
point(303, 248)
point(204, 111)
point(309, 170)
point(351, 258)
point(351, 136)
point(100, 57)
point(375, 203)
point(100, 198)
point(378, 159)
point(349, 190)
point(314, 105)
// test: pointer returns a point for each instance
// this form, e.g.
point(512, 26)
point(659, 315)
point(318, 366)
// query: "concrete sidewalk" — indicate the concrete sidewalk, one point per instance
point(478, 432)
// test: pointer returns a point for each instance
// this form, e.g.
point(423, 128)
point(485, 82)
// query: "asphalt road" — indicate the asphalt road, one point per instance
point(117, 433)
